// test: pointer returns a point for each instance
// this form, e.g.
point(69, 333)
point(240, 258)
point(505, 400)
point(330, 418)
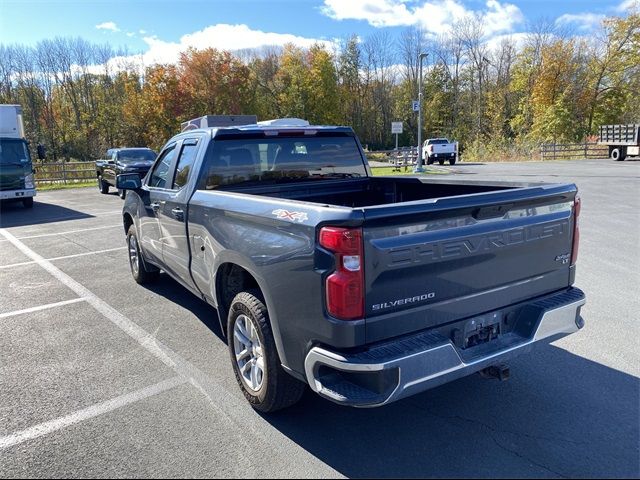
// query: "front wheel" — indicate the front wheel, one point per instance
point(617, 154)
point(139, 270)
point(103, 186)
point(254, 357)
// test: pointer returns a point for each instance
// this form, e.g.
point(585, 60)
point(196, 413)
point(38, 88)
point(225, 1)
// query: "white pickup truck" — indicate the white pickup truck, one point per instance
point(439, 149)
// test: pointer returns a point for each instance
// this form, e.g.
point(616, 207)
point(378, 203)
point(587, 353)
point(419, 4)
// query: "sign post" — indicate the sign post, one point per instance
point(396, 127)
point(419, 168)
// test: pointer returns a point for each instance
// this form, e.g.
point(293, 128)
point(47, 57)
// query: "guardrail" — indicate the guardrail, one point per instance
point(572, 151)
point(64, 173)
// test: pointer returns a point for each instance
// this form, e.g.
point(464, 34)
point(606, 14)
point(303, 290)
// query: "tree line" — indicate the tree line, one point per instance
point(499, 98)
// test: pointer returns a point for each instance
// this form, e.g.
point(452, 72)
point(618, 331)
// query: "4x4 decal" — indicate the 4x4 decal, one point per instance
point(293, 216)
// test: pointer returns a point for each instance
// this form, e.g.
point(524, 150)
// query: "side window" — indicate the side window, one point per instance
point(159, 176)
point(185, 162)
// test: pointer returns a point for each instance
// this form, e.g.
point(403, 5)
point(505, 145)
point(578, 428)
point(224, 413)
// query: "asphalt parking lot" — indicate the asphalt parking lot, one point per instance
point(101, 377)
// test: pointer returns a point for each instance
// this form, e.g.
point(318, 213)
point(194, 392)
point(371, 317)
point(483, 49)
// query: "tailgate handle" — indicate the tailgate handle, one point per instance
point(492, 211)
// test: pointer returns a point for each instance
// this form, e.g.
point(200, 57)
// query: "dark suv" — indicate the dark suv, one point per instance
point(122, 160)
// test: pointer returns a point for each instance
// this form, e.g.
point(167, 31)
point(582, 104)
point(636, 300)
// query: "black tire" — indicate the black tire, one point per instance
point(141, 272)
point(103, 186)
point(429, 161)
point(278, 389)
point(441, 161)
point(122, 194)
point(617, 154)
point(452, 161)
point(27, 202)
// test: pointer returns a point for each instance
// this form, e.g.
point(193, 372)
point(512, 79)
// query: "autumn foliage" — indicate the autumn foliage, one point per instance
point(80, 99)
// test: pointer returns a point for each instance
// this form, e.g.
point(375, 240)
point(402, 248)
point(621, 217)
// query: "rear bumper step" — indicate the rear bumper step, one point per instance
point(393, 370)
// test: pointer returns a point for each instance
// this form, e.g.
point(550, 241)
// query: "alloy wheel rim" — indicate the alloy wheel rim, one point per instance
point(134, 258)
point(248, 353)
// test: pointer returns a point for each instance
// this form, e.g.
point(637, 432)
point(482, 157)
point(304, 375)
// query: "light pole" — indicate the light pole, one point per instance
point(419, 167)
point(485, 61)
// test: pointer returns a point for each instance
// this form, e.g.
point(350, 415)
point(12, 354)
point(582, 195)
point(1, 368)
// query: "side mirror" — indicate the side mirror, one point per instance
point(42, 152)
point(128, 181)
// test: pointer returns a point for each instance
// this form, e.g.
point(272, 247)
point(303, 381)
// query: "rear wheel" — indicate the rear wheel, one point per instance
point(254, 357)
point(452, 161)
point(28, 202)
point(141, 272)
point(429, 161)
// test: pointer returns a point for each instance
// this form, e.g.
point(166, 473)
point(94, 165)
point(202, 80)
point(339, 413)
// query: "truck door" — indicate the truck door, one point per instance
point(109, 170)
point(158, 186)
point(173, 214)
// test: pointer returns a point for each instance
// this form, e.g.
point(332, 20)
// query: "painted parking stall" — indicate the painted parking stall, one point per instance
point(101, 376)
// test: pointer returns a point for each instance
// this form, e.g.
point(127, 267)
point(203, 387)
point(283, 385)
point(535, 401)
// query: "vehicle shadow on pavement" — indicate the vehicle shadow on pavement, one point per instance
point(176, 293)
point(559, 415)
point(13, 214)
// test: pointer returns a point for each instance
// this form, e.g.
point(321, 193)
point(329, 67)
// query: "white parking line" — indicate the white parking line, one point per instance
point(89, 412)
point(79, 216)
point(41, 307)
point(68, 232)
point(31, 262)
point(225, 403)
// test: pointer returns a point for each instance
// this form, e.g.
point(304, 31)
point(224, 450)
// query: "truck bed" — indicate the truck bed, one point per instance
point(372, 191)
point(435, 250)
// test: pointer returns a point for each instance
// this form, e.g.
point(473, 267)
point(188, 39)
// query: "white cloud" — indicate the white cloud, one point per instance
point(500, 17)
point(379, 13)
point(583, 21)
point(142, 32)
point(223, 37)
point(131, 34)
point(628, 5)
point(435, 16)
point(517, 39)
point(108, 26)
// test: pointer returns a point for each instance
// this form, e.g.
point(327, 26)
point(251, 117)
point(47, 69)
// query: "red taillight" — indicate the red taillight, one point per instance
point(345, 287)
point(576, 229)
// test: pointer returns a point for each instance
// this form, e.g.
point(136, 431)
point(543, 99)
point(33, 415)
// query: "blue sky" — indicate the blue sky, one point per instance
point(163, 27)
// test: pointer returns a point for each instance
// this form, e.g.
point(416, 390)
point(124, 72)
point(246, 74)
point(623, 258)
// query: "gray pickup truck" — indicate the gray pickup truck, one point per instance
point(367, 289)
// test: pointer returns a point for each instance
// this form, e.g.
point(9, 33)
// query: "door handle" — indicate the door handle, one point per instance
point(178, 213)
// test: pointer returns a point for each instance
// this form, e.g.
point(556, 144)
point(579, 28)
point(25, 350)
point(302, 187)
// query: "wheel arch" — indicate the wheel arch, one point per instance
point(127, 221)
point(231, 278)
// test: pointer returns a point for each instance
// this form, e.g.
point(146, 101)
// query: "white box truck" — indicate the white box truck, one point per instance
point(16, 168)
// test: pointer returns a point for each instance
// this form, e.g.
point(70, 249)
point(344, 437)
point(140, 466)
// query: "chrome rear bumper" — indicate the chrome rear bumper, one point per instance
point(393, 370)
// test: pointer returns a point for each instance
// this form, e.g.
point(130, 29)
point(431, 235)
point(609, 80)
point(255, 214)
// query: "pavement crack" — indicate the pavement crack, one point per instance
point(498, 430)
point(525, 458)
point(492, 431)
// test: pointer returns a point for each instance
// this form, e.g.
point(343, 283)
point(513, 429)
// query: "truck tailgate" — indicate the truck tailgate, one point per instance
point(431, 262)
point(438, 148)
